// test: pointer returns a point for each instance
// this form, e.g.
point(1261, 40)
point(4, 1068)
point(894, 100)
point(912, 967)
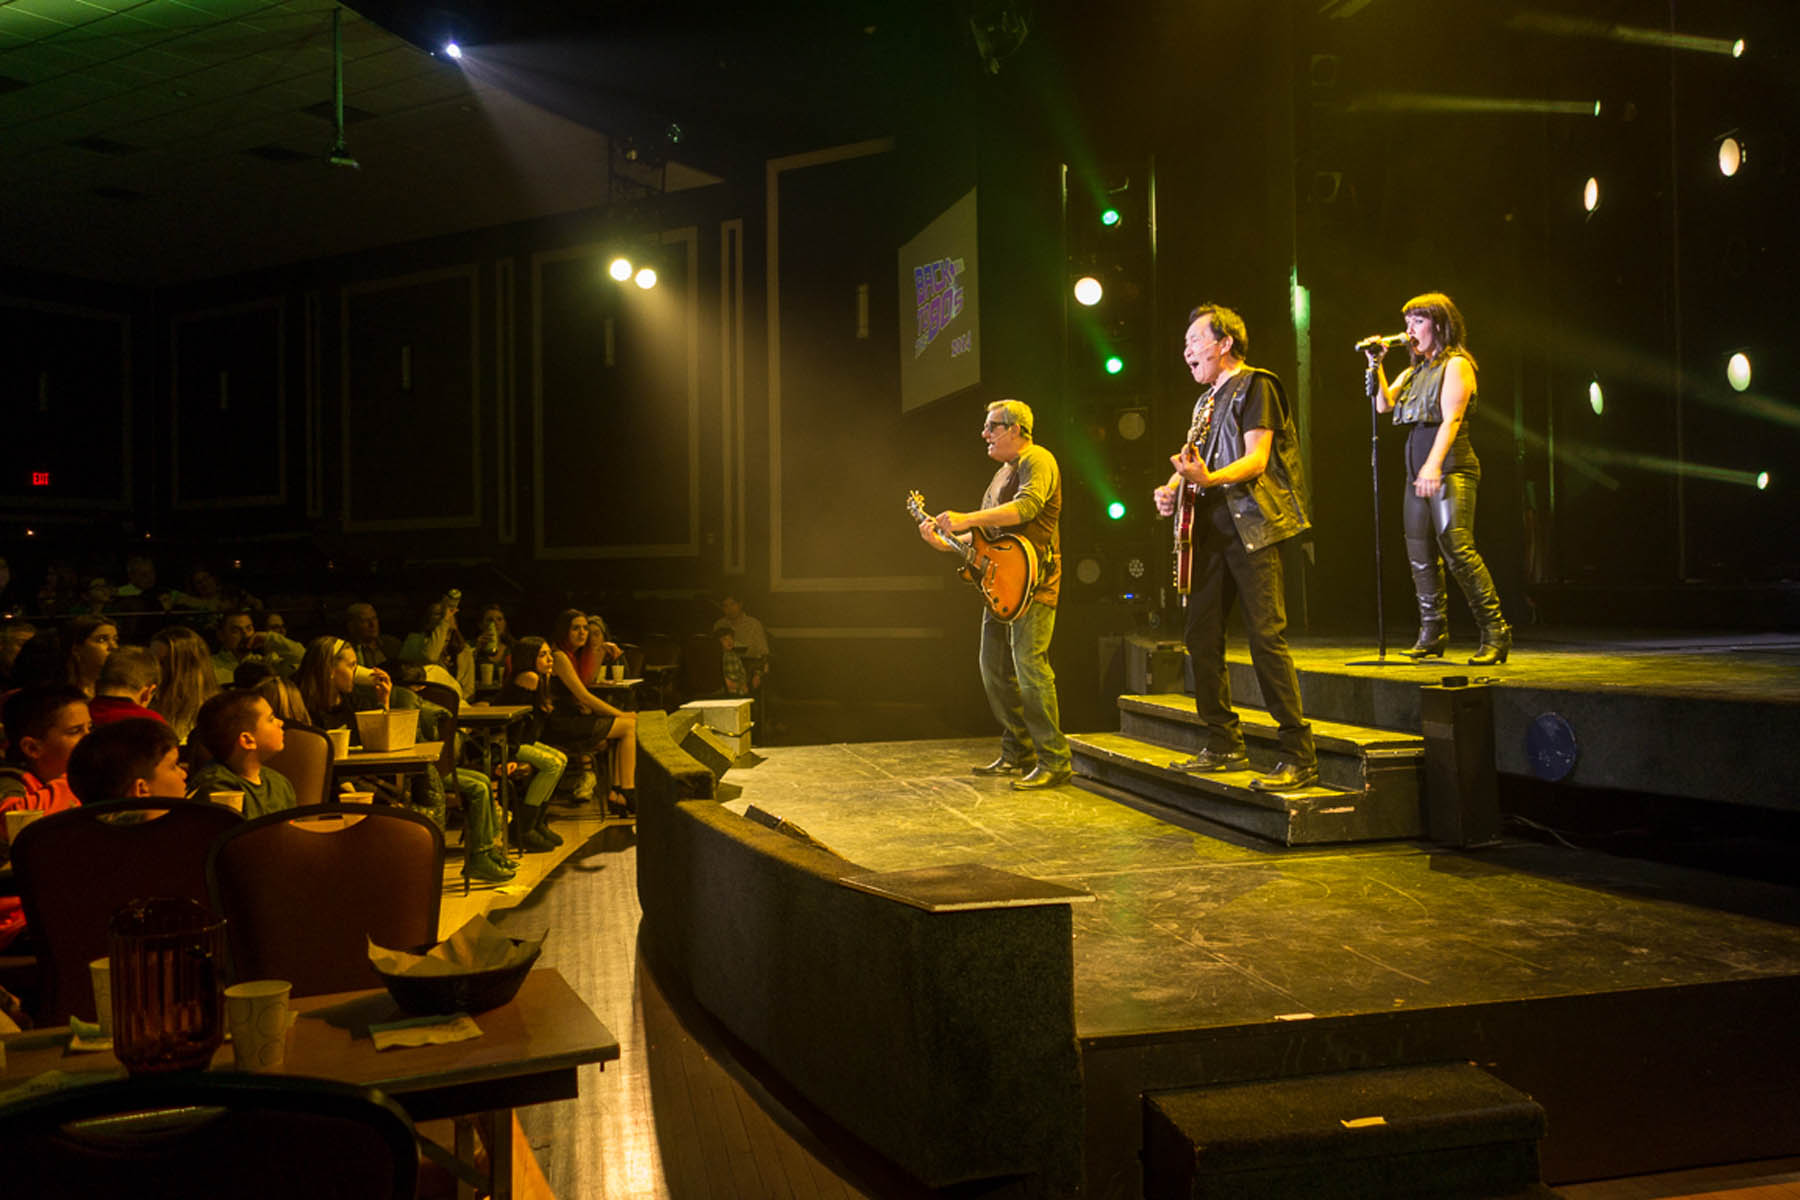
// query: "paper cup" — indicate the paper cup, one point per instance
point(340, 742)
point(232, 800)
point(364, 677)
point(484, 674)
point(18, 819)
point(616, 672)
point(257, 1015)
point(100, 969)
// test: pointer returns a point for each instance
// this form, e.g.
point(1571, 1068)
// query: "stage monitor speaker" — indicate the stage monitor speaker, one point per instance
point(1462, 792)
point(1154, 667)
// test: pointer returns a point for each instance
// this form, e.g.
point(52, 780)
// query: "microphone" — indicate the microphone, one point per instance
point(1382, 339)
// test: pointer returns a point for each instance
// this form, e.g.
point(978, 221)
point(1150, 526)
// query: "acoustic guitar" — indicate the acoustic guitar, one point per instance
point(1003, 567)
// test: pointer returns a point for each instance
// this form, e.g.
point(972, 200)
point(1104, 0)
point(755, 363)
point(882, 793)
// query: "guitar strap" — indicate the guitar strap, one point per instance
point(1202, 423)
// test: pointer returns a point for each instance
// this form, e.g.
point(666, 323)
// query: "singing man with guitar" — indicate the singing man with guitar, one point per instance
point(1023, 499)
point(1238, 493)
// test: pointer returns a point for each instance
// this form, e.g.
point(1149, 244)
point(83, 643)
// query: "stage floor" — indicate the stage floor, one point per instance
point(1195, 927)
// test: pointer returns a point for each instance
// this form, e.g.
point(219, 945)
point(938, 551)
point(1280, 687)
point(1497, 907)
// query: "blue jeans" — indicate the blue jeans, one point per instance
point(1021, 687)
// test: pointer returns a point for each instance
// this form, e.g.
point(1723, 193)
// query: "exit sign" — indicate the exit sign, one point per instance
point(40, 479)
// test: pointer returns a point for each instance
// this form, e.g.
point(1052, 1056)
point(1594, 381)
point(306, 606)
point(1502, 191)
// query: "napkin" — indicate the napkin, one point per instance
point(478, 946)
point(425, 1031)
point(85, 1037)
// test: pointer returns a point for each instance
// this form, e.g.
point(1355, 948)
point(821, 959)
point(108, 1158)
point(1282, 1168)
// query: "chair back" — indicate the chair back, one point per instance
point(209, 1134)
point(74, 869)
point(305, 759)
point(302, 891)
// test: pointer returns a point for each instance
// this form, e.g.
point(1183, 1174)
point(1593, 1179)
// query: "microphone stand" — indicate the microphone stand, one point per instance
point(1381, 658)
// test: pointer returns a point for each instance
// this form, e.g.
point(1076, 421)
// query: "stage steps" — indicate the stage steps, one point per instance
point(1369, 779)
point(1449, 1131)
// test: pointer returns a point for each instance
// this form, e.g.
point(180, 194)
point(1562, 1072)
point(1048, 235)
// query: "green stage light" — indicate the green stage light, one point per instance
point(1116, 510)
point(1114, 364)
point(1762, 481)
point(1110, 217)
point(1596, 398)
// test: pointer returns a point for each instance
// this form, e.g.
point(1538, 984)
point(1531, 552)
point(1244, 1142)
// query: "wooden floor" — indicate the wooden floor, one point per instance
point(678, 1116)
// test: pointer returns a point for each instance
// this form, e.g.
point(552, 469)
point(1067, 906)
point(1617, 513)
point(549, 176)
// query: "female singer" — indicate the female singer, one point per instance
point(1436, 395)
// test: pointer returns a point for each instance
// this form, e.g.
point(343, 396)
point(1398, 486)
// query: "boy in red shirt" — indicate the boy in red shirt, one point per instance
point(43, 727)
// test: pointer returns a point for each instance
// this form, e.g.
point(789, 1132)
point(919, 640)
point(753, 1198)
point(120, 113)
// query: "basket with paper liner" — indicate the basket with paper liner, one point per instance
point(388, 728)
point(477, 968)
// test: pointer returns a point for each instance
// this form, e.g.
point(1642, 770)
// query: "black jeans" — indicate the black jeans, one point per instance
point(1224, 571)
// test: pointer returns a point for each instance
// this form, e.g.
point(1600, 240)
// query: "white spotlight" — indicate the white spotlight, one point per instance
point(1596, 398)
point(1731, 156)
point(452, 50)
point(1590, 194)
point(1088, 291)
point(1737, 372)
point(645, 278)
point(620, 269)
point(1737, 48)
point(1762, 481)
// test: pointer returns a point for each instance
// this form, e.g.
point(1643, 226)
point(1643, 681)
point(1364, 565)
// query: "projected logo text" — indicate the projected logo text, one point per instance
point(938, 293)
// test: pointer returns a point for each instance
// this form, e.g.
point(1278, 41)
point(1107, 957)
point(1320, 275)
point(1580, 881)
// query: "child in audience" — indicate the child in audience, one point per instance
point(128, 760)
point(241, 732)
point(187, 677)
point(737, 680)
point(126, 684)
point(87, 642)
point(326, 678)
point(531, 685)
point(43, 727)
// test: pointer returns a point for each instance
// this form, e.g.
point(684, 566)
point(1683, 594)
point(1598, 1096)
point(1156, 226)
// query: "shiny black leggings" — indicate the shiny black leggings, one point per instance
point(1445, 523)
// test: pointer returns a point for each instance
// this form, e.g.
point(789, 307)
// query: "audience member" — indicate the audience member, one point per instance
point(531, 686)
point(580, 721)
point(139, 593)
point(126, 685)
point(241, 732)
point(87, 641)
point(188, 680)
point(747, 632)
point(201, 603)
point(284, 697)
point(326, 678)
point(439, 643)
point(13, 636)
point(43, 727)
point(239, 643)
point(128, 760)
point(737, 680)
point(12, 596)
point(95, 599)
point(251, 672)
point(362, 626)
point(40, 662)
point(494, 646)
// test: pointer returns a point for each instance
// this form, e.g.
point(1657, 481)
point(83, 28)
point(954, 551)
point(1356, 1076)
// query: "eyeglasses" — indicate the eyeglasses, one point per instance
point(993, 426)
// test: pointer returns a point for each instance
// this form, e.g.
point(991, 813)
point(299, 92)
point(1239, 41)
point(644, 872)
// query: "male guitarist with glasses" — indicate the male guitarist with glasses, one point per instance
point(1239, 470)
point(1024, 498)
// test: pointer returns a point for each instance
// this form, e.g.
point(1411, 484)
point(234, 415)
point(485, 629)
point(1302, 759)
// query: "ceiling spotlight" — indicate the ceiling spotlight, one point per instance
point(1590, 194)
point(1737, 372)
point(1762, 481)
point(452, 50)
point(1596, 398)
point(645, 278)
point(1088, 291)
point(620, 269)
point(1731, 155)
point(1737, 48)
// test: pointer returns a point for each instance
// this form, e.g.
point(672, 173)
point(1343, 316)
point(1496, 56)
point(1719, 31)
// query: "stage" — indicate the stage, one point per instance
point(1645, 1006)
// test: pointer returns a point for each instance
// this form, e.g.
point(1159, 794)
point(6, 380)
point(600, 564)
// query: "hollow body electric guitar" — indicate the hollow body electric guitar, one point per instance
point(1003, 567)
point(1187, 502)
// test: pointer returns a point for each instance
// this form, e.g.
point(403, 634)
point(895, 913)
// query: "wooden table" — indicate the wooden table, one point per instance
point(414, 760)
point(488, 725)
point(528, 1054)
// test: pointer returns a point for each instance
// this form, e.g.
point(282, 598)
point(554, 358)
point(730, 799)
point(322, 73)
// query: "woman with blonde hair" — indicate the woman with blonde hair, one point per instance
point(188, 678)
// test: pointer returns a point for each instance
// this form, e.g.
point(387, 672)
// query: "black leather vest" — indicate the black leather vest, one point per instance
point(1272, 507)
